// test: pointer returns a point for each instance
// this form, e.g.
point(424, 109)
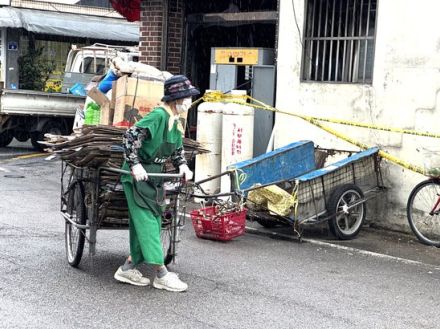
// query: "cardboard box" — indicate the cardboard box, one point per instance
point(106, 117)
point(107, 114)
point(134, 98)
point(98, 96)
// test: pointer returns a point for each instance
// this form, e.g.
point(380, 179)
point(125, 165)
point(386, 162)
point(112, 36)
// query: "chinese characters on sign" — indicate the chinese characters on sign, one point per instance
point(236, 142)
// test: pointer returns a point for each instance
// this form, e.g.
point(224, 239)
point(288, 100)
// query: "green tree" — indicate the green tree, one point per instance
point(34, 71)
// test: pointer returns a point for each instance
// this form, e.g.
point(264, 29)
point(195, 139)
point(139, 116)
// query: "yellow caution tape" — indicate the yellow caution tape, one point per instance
point(216, 96)
point(383, 128)
point(383, 154)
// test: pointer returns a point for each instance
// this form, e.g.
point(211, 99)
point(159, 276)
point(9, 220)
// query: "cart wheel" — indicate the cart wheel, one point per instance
point(346, 221)
point(75, 237)
point(166, 236)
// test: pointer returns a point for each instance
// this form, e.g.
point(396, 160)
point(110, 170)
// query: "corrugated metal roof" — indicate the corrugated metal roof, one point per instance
point(82, 26)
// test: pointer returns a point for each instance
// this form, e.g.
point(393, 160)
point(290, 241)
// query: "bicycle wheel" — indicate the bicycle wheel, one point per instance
point(423, 210)
point(166, 236)
point(74, 236)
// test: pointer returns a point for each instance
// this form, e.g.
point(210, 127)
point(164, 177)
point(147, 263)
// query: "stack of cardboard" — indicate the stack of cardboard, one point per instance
point(98, 146)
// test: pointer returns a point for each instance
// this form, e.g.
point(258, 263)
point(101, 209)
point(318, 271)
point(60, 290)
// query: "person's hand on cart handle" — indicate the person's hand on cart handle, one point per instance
point(187, 174)
point(139, 173)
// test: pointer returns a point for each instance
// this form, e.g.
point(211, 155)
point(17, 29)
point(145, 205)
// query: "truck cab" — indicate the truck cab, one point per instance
point(84, 63)
point(28, 114)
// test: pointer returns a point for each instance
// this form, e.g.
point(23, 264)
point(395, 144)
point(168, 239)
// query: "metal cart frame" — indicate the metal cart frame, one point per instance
point(335, 193)
point(92, 199)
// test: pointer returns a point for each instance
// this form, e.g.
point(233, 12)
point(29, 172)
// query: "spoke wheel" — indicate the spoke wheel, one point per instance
point(347, 211)
point(166, 236)
point(423, 219)
point(74, 236)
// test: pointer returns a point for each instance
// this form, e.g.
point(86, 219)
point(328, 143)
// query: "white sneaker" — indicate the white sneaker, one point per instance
point(132, 276)
point(170, 282)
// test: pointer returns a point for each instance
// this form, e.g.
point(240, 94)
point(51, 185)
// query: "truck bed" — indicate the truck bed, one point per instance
point(34, 103)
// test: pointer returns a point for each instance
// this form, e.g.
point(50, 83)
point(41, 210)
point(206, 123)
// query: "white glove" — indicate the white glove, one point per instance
point(187, 174)
point(139, 173)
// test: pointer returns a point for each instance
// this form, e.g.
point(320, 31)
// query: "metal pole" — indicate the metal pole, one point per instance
point(366, 40)
point(329, 78)
point(125, 172)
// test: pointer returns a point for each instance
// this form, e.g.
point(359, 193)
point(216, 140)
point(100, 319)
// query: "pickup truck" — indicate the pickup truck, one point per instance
point(28, 114)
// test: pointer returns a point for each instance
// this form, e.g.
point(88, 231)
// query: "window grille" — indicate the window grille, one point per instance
point(339, 40)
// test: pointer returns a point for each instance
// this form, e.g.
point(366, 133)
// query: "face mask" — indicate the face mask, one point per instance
point(184, 107)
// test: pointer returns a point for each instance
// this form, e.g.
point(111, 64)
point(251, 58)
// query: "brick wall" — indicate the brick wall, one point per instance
point(175, 36)
point(152, 35)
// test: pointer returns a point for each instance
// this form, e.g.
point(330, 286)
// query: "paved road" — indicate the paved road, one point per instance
point(252, 282)
point(16, 149)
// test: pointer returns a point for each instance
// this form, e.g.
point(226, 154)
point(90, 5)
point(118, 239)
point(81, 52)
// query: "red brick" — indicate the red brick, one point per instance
point(151, 33)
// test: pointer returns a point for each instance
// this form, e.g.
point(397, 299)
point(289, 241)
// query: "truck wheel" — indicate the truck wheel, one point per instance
point(35, 137)
point(50, 127)
point(21, 136)
point(5, 138)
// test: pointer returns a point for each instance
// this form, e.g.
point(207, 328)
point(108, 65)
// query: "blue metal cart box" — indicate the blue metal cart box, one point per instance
point(283, 164)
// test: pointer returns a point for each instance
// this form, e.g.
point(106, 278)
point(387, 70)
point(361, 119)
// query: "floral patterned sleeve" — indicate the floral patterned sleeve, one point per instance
point(132, 142)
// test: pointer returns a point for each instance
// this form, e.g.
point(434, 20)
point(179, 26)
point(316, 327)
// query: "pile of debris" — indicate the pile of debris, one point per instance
point(95, 146)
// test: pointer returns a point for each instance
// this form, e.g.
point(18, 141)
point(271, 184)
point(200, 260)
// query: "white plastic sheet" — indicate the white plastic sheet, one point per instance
point(65, 24)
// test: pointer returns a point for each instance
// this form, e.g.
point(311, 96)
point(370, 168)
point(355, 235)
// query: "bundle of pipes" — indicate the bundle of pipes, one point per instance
point(96, 146)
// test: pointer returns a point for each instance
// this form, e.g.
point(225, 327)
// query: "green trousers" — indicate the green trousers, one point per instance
point(145, 227)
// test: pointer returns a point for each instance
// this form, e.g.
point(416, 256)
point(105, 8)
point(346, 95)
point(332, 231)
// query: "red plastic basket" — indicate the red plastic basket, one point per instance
point(208, 224)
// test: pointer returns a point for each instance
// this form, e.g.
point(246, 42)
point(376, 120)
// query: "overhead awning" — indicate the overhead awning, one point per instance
point(9, 18)
point(66, 24)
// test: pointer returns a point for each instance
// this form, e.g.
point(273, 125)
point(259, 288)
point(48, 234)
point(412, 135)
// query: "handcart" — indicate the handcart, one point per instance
point(336, 193)
point(92, 199)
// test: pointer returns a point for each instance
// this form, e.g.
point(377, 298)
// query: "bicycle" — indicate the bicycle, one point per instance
point(423, 211)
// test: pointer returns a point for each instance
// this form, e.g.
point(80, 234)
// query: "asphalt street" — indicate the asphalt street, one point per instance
point(251, 282)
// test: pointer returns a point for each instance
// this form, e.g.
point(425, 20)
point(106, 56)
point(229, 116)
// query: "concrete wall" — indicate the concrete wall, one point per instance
point(404, 93)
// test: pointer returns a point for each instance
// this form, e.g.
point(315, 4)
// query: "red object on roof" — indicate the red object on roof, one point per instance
point(130, 9)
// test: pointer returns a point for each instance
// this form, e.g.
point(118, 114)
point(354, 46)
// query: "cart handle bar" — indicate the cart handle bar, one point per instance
point(125, 172)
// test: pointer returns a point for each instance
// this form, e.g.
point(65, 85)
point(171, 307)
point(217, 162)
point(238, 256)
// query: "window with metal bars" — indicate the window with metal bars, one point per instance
point(339, 38)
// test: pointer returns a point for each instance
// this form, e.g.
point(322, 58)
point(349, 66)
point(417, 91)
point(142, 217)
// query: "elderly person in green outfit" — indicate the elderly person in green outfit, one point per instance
point(148, 144)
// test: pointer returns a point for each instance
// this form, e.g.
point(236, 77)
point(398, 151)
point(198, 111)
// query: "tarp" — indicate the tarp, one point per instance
point(66, 24)
point(130, 9)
